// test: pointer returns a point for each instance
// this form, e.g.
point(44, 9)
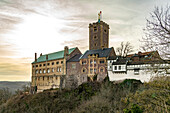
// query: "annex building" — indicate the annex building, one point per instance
point(69, 68)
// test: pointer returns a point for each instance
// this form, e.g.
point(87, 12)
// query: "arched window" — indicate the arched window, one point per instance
point(40, 71)
point(84, 70)
point(102, 69)
point(36, 71)
point(48, 70)
point(52, 70)
point(44, 71)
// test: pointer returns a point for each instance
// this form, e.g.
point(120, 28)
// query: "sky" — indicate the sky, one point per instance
point(45, 26)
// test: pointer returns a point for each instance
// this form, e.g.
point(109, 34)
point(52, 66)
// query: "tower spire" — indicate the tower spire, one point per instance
point(99, 16)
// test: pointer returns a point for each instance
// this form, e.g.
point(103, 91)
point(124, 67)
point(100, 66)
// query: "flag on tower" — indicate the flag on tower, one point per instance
point(99, 16)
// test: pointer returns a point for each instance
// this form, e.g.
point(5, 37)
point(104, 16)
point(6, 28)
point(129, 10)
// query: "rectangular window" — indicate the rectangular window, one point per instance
point(57, 62)
point(91, 61)
point(95, 70)
point(91, 70)
point(83, 62)
point(119, 67)
point(115, 67)
point(95, 28)
point(136, 71)
point(73, 66)
point(52, 69)
point(61, 62)
point(52, 63)
point(94, 61)
point(58, 69)
point(101, 61)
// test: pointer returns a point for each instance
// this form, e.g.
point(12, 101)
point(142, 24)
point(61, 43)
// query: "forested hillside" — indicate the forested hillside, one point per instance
point(130, 96)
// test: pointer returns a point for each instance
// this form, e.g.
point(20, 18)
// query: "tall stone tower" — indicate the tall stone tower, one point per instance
point(98, 34)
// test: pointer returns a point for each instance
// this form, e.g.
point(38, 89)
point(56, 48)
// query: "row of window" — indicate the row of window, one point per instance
point(119, 67)
point(48, 70)
point(95, 29)
point(45, 77)
point(91, 70)
point(48, 64)
point(93, 62)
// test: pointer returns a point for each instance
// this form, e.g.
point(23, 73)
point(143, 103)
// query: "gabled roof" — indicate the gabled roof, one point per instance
point(53, 56)
point(75, 58)
point(101, 53)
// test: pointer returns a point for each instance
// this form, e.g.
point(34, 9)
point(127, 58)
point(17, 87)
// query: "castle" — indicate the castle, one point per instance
point(70, 68)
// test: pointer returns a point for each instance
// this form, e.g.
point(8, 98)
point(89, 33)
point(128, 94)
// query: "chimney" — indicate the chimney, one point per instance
point(46, 57)
point(35, 57)
point(41, 54)
point(66, 51)
point(139, 53)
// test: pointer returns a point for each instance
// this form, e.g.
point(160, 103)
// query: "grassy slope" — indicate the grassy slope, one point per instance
point(130, 96)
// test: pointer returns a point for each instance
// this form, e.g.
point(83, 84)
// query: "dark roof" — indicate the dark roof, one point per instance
point(75, 58)
point(53, 56)
point(148, 62)
point(101, 53)
point(112, 57)
point(120, 61)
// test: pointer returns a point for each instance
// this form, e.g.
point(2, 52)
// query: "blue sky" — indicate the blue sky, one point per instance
point(45, 26)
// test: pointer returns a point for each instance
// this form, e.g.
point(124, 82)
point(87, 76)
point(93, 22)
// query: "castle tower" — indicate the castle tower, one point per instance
point(98, 34)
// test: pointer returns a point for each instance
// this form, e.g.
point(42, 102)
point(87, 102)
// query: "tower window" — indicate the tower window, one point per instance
point(40, 65)
point(95, 28)
point(105, 30)
point(52, 63)
point(95, 44)
point(48, 64)
point(95, 37)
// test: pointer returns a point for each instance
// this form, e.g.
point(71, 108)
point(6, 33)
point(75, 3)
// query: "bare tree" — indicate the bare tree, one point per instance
point(124, 49)
point(157, 32)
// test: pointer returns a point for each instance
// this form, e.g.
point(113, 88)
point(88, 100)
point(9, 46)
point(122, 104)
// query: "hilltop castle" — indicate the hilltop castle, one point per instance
point(70, 68)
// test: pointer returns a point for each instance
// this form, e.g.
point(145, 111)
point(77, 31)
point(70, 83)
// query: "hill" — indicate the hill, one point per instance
point(130, 96)
point(13, 86)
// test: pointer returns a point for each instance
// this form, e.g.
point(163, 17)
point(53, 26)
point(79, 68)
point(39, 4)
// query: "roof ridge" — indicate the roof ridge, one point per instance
point(57, 51)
